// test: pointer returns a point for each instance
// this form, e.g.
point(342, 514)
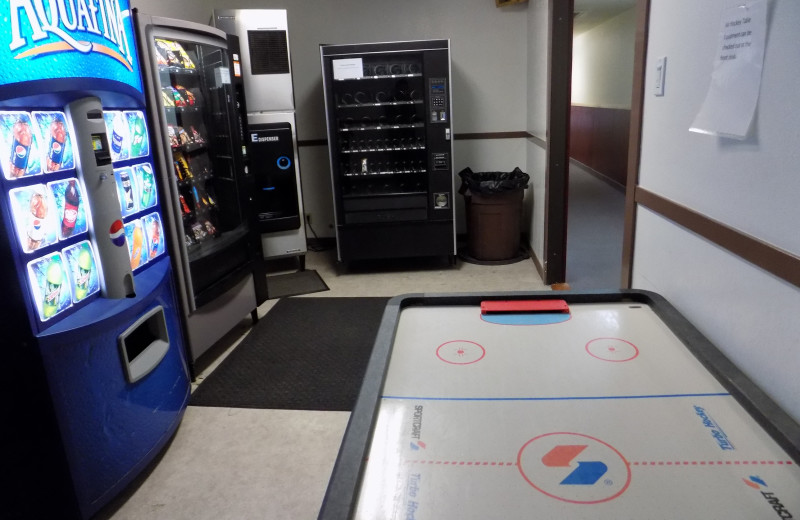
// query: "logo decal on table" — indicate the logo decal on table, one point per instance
point(716, 430)
point(586, 474)
point(772, 499)
point(755, 482)
point(574, 468)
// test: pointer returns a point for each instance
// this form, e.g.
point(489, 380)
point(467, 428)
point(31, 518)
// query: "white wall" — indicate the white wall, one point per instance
point(488, 50)
point(750, 185)
point(500, 78)
point(538, 47)
point(602, 63)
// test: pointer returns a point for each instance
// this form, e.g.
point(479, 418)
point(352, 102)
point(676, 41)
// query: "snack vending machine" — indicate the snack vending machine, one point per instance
point(391, 153)
point(198, 111)
point(95, 376)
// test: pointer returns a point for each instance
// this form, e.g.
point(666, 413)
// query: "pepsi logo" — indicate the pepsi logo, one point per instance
point(117, 233)
point(21, 151)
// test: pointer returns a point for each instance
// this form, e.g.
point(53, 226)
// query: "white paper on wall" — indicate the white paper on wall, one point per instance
point(732, 96)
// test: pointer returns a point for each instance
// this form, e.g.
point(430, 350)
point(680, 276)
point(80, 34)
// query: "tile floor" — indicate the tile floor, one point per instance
point(595, 228)
point(230, 463)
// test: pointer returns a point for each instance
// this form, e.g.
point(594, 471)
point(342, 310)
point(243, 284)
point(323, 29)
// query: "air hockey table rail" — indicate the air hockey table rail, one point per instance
point(616, 405)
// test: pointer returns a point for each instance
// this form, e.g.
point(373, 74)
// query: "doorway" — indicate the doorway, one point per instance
point(600, 252)
point(603, 42)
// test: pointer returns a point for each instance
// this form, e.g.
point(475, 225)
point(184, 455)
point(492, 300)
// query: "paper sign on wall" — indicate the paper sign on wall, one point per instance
point(732, 96)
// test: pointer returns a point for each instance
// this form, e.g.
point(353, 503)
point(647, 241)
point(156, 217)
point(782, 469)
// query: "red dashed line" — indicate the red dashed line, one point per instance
point(460, 463)
point(711, 463)
point(630, 463)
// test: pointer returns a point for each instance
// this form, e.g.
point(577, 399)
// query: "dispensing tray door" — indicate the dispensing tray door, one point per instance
point(144, 344)
point(272, 161)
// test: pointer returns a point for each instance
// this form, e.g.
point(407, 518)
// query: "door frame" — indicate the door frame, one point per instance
point(559, 90)
point(635, 140)
point(559, 95)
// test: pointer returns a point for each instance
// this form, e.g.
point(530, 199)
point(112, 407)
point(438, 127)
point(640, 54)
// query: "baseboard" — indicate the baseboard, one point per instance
point(326, 243)
point(599, 175)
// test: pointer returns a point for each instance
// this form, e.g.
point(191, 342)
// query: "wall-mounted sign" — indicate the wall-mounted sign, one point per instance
point(732, 96)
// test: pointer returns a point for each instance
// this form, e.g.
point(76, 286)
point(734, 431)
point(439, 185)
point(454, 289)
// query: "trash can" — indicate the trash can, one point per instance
point(494, 209)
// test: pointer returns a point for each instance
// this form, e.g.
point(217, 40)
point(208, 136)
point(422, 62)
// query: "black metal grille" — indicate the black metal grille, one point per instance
point(269, 52)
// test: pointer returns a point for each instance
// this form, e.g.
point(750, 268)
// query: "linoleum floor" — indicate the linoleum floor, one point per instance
point(229, 463)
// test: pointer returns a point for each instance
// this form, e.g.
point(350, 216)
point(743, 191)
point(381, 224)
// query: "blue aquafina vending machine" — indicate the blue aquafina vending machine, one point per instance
point(95, 380)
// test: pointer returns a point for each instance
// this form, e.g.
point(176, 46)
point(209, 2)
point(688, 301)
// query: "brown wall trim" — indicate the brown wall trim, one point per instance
point(456, 137)
point(782, 264)
point(536, 263)
point(598, 137)
point(490, 135)
point(598, 175)
point(537, 140)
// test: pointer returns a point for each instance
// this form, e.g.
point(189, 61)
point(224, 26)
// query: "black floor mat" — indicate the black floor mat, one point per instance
point(294, 284)
point(305, 354)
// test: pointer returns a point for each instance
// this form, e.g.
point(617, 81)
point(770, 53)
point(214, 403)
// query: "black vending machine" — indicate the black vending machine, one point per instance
point(389, 135)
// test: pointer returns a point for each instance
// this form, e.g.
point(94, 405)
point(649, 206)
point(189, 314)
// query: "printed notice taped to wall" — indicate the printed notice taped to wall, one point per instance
point(732, 96)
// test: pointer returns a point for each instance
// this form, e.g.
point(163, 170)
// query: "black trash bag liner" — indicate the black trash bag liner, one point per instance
point(492, 182)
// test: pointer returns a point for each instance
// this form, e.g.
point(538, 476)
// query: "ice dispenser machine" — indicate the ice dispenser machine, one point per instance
point(274, 168)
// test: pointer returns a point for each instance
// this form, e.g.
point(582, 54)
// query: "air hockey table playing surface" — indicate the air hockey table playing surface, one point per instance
point(615, 407)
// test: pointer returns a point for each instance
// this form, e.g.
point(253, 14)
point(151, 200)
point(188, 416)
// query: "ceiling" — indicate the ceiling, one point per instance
point(590, 13)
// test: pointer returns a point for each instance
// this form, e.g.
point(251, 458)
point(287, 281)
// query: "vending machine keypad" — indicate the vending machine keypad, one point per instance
point(438, 99)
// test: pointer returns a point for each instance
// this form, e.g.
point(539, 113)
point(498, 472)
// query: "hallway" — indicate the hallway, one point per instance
point(594, 231)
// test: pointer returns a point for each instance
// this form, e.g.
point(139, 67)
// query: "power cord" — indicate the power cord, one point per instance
point(316, 249)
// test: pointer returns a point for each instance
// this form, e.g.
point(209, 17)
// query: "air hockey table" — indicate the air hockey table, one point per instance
point(558, 405)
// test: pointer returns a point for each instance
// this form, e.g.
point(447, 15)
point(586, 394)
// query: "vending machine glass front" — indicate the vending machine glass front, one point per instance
point(196, 91)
